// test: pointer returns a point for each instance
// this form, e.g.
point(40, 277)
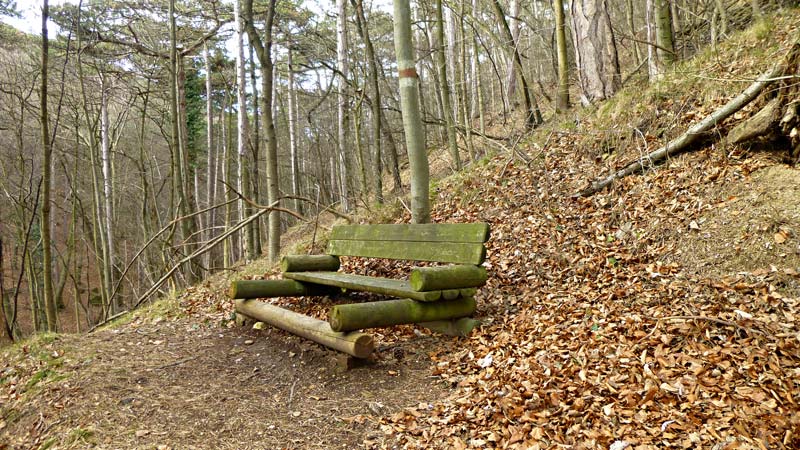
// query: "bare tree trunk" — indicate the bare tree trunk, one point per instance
point(665, 51)
point(412, 121)
point(361, 23)
point(637, 54)
point(293, 132)
point(210, 159)
point(513, 23)
point(534, 116)
point(243, 166)
point(3, 313)
point(562, 99)
point(264, 53)
point(462, 84)
point(255, 145)
point(108, 201)
point(47, 179)
point(477, 84)
point(343, 116)
point(227, 247)
point(444, 86)
point(595, 50)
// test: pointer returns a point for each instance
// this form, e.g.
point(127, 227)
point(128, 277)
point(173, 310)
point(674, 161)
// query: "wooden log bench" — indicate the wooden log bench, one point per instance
point(440, 297)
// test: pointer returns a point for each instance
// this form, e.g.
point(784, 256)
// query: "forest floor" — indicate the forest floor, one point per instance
point(661, 313)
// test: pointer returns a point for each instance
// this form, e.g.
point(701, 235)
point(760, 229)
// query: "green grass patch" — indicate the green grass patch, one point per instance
point(80, 435)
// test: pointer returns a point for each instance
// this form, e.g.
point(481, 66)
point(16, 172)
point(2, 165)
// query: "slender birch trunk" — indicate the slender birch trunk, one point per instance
point(108, 201)
point(444, 86)
point(513, 23)
point(243, 172)
point(293, 131)
point(342, 104)
point(210, 158)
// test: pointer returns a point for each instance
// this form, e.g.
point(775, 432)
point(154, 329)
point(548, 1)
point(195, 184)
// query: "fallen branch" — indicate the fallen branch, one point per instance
point(200, 251)
point(690, 136)
point(271, 207)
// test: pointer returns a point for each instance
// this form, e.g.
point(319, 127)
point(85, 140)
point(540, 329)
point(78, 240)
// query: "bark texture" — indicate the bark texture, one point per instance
point(595, 50)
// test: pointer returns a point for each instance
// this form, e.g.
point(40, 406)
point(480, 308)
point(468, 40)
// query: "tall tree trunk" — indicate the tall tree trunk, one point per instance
point(176, 164)
point(210, 160)
point(513, 23)
point(243, 165)
point(108, 200)
point(664, 38)
point(342, 104)
point(363, 30)
point(292, 117)
point(224, 167)
point(629, 15)
point(477, 84)
point(595, 50)
point(47, 150)
point(562, 99)
point(652, 58)
point(264, 53)
point(412, 121)
point(461, 82)
point(534, 116)
point(255, 145)
point(4, 316)
point(444, 86)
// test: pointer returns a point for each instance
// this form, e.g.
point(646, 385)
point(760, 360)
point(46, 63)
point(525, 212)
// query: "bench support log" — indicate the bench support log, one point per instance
point(360, 345)
point(309, 263)
point(275, 288)
point(457, 327)
point(358, 316)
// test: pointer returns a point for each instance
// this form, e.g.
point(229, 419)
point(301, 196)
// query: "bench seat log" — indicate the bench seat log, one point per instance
point(385, 286)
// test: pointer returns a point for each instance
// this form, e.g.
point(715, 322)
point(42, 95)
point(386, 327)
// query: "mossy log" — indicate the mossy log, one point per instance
point(360, 345)
point(275, 288)
point(358, 316)
point(309, 263)
point(455, 327)
point(447, 277)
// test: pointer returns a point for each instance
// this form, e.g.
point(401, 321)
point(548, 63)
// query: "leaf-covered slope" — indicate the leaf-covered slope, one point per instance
point(604, 329)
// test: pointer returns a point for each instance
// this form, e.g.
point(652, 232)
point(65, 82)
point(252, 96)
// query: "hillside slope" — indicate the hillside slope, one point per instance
point(664, 312)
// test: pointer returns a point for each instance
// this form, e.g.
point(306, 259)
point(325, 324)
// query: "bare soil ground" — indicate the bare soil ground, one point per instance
point(158, 383)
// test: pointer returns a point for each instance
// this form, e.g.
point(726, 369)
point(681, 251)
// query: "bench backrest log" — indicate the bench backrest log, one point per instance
point(446, 243)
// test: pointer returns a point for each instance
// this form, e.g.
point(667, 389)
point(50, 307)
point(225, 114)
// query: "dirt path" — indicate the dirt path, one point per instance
point(176, 384)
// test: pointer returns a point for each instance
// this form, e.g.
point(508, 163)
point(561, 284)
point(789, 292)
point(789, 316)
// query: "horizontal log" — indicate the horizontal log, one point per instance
point(384, 286)
point(358, 316)
point(447, 277)
point(309, 263)
point(476, 233)
point(360, 345)
point(446, 252)
point(456, 327)
point(275, 288)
